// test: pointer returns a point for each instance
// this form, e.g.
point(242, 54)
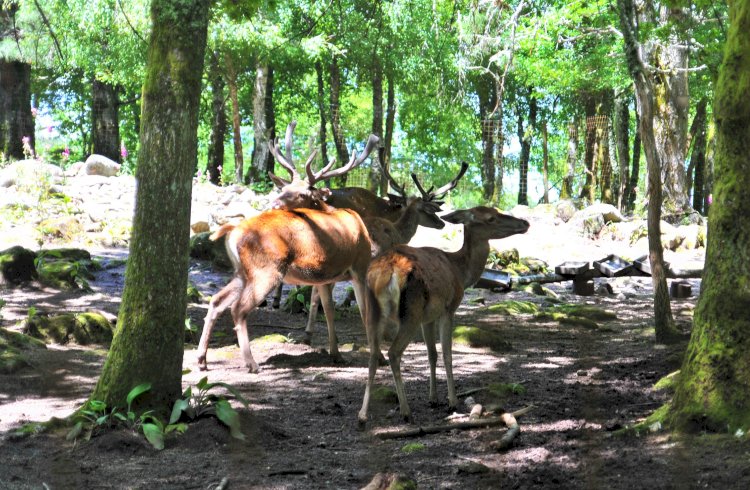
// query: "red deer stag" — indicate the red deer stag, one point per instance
point(385, 234)
point(302, 246)
point(412, 287)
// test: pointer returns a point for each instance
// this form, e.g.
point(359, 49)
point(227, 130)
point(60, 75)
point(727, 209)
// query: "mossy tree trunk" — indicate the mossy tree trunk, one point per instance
point(148, 342)
point(713, 391)
point(258, 170)
point(622, 130)
point(663, 320)
point(571, 157)
point(105, 119)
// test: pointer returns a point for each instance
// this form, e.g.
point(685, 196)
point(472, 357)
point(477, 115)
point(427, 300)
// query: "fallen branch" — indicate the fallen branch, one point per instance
point(503, 419)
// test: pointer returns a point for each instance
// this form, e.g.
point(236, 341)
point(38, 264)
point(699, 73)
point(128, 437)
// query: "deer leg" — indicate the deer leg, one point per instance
point(362, 298)
point(219, 302)
point(445, 325)
point(398, 346)
point(254, 291)
point(326, 297)
point(373, 343)
point(428, 333)
point(277, 297)
point(313, 315)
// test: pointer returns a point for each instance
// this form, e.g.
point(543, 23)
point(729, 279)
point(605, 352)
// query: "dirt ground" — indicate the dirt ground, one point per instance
point(301, 430)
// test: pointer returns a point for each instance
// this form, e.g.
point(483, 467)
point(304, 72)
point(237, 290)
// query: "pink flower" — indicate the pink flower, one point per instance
point(66, 153)
point(34, 111)
point(710, 199)
point(26, 140)
point(123, 150)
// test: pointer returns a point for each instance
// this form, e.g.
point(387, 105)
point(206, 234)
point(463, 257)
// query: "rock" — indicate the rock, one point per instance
point(82, 328)
point(202, 247)
point(564, 210)
point(200, 227)
point(17, 265)
point(100, 165)
point(29, 173)
point(388, 481)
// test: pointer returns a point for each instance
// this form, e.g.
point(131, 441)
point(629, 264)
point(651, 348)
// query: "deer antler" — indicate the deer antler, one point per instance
point(326, 172)
point(285, 161)
point(395, 185)
point(431, 195)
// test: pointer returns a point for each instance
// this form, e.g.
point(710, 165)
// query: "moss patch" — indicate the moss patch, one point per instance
point(82, 328)
point(12, 345)
point(384, 394)
point(413, 447)
point(668, 382)
point(512, 307)
point(193, 294)
point(477, 337)
point(274, 338)
point(587, 311)
point(17, 265)
point(503, 390)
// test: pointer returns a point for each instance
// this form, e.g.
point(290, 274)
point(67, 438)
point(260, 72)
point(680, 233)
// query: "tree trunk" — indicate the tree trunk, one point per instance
point(622, 130)
point(390, 122)
point(342, 153)
point(16, 120)
point(671, 105)
point(524, 136)
point(258, 171)
point(487, 95)
point(708, 186)
point(605, 163)
point(148, 342)
point(105, 132)
point(215, 163)
point(545, 163)
point(322, 136)
point(713, 389)
point(588, 189)
point(270, 117)
point(239, 161)
point(377, 124)
point(635, 169)
point(698, 156)
point(567, 186)
point(663, 321)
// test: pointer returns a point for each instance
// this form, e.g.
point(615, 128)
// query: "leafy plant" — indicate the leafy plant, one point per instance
point(200, 403)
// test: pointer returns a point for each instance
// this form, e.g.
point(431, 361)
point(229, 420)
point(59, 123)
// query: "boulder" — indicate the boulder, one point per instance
point(565, 209)
point(17, 265)
point(100, 165)
point(29, 172)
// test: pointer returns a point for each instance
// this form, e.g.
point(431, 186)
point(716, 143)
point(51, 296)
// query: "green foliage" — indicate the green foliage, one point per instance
point(200, 403)
point(513, 307)
point(479, 337)
point(413, 447)
point(502, 390)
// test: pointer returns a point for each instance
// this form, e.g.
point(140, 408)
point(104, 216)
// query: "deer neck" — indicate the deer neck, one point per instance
point(407, 223)
point(471, 258)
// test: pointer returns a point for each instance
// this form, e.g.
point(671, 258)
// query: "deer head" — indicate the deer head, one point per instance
point(300, 192)
point(432, 195)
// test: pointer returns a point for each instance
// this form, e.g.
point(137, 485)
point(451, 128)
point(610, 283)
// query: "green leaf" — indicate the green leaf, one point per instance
point(75, 431)
point(179, 428)
point(179, 407)
point(201, 385)
point(231, 389)
point(154, 435)
point(230, 418)
point(137, 391)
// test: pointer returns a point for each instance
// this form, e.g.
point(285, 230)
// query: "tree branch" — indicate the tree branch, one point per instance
point(51, 32)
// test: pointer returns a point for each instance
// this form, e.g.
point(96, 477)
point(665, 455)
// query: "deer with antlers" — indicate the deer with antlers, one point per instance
point(411, 287)
point(315, 245)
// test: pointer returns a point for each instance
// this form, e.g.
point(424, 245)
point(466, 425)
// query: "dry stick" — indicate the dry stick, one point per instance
point(222, 484)
point(507, 419)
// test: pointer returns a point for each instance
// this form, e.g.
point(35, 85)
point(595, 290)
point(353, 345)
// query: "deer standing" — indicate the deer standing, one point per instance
point(412, 287)
point(302, 246)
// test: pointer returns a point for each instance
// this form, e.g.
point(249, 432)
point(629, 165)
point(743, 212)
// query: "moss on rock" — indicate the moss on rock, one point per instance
point(17, 265)
point(82, 328)
point(477, 337)
point(513, 307)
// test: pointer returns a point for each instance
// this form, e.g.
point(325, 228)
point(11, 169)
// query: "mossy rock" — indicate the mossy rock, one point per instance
point(587, 311)
point(63, 274)
point(500, 259)
point(477, 337)
point(17, 265)
point(384, 394)
point(578, 321)
point(513, 307)
point(68, 254)
point(82, 328)
point(12, 345)
point(202, 247)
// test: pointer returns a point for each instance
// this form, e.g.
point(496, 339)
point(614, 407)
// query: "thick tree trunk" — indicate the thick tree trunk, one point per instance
point(105, 115)
point(663, 320)
point(377, 125)
point(16, 120)
point(698, 156)
point(342, 153)
point(239, 160)
point(713, 389)
point(588, 190)
point(218, 122)
point(270, 117)
point(258, 171)
point(148, 342)
point(622, 130)
point(572, 155)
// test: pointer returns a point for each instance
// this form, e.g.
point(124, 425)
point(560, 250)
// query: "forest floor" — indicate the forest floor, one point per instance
point(301, 428)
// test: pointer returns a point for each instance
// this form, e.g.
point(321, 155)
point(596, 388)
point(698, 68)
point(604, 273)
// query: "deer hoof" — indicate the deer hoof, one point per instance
point(202, 365)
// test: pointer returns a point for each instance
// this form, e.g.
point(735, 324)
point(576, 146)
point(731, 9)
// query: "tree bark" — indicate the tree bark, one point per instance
point(572, 155)
point(605, 164)
point(322, 133)
point(588, 189)
point(377, 124)
point(622, 130)
point(635, 169)
point(105, 115)
point(663, 320)
point(258, 170)
point(239, 161)
point(16, 120)
point(390, 122)
point(148, 342)
point(489, 119)
point(698, 156)
point(342, 153)
point(713, 389)
point(525, 136)
point(545, 163)
point(218, 122)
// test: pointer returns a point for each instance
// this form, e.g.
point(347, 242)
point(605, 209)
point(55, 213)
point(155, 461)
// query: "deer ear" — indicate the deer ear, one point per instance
point(278, 181)
point(325, 193)
point(458, 217)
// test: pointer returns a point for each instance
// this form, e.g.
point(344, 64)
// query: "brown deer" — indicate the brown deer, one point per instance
point(411, 287)
point(385, 233)
point(301, 246)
